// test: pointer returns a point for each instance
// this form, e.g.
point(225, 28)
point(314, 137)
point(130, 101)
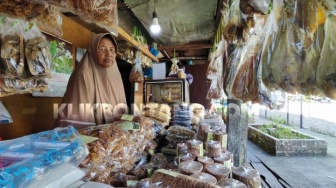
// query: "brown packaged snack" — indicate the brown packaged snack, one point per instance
point(247, 175)
point(177, 180)
point(190, 167)
point(213, 148)
point(195, 147)
point(205, 177)
point(182, 148)
point(218, 170)
point(231, 183)
point(116, 150)
point(205, 160)
point(23, 9)
point(12, 54)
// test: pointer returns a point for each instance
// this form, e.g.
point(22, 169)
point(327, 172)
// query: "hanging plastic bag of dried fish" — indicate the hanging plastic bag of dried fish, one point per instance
point(12, 48)
point(23, 9)
point(104, 13)
point(215, 68)
point(37, 52)
point(251, 7)
point(216, 90)
point(136, 75)
point(50, 21)
point(236, 29)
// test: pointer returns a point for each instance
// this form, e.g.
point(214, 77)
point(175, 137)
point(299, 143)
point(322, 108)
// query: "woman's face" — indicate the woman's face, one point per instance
point(106, 53)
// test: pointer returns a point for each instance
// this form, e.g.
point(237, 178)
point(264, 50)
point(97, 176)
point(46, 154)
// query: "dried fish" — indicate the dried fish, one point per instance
point(12, 55)
point(326, 69)
point(38, 56)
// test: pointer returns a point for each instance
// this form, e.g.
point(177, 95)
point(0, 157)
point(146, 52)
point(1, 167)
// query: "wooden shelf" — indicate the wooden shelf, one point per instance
point(79, 36)
point(135, 43)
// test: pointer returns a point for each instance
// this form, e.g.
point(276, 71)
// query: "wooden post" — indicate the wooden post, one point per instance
point(237, 131)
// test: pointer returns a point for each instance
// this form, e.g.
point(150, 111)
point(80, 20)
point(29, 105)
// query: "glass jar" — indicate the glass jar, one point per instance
point(181, 74)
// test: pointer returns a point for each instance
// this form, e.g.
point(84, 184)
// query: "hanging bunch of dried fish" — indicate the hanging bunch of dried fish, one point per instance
point(243, 83)
point(37, 53)
point(327, 5)
point(102, 12)
point(266, 83)
point(326, 69)
point(236, 29)
point(50, 21)
point(308, 67)
point(250, 7)
point(12, 48)
point(270, 34)
point(306, 18)
point(59, 3)
point(12, 54)
point(215, 68)
point(216, 90)
point(23, 9)
point(286, 57)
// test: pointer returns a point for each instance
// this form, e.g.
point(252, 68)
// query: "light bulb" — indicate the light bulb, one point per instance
point(155, 27)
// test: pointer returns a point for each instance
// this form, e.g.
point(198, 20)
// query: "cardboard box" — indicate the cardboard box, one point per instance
point(159, 71)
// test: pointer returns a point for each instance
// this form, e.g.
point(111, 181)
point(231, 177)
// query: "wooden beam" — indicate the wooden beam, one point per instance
point(135, 43)
point(193, 58)
point(75, 33)
point(185, 47)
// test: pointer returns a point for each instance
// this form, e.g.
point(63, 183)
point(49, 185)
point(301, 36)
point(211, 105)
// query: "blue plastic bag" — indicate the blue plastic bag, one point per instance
point(23, 159)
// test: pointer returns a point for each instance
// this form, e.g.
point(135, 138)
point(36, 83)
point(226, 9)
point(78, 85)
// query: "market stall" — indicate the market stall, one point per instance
point(170, 141)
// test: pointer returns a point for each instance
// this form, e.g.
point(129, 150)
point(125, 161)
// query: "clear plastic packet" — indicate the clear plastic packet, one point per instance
point(235, 31)
point(306, 18)
point(136, 75)
point(180, 117)
point(180, 107)
point(287, 58)
point(36, 157)
point(117, 149)
point(12, 48)
point(325, 73)
point(104, 13)
point(23, 9)
point(58, 3)
point(183, 123)
point(184, 133)
point(182, 113)
point(230, 69)
point(50, 21)
point(269, 41)
point(247, 175)
point(215, 68)
point(245, 86)
point(243, 80)
point(216, 90)
point(37, 52)
point(308, 67)
point(260, 6)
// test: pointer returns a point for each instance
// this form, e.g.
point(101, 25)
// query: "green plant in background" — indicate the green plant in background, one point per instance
point(138, 36)
point(62, 58)
point(276, 129)
point(278, 119)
